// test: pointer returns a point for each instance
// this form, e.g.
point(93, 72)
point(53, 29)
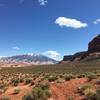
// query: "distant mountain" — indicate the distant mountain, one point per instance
point(26, 60)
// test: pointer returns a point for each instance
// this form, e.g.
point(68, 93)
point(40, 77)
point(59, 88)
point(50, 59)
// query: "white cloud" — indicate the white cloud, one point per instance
point(16, 48)
point(97, 21)
point(2, 56)
point(73, 23)
point(43, 2)
point(53, 54)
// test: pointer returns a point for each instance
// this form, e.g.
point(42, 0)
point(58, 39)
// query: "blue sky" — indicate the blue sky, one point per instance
point(50, 27)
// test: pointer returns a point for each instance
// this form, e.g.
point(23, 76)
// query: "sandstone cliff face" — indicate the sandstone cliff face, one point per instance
point(77, 56)
point(93, 52)
point(94, 45)
point(68, 58)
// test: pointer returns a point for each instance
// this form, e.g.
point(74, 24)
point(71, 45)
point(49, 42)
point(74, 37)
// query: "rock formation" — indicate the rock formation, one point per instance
point(93, 52)
point(77, 56)
point(94, 45)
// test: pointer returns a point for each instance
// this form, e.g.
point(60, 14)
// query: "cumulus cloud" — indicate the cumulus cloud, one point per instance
point(73, 23)
point(16, 48)
point(97, 21)
point(42, 2)
point(53, 54)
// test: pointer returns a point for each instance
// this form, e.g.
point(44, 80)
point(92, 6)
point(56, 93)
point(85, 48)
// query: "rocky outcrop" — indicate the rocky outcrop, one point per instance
point(93, 52)
point(76, 57)
point(68, 58)
point(94, 45)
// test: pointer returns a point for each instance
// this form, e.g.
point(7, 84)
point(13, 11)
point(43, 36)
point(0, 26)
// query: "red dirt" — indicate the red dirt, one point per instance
point(65, 90)
point(10, 91)
point(60, 91)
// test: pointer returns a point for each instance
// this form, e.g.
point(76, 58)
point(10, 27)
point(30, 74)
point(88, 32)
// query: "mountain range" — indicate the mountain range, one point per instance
point(26, 60)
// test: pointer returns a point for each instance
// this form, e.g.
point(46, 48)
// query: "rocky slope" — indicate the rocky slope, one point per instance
point(93, 52)
point(25, 60)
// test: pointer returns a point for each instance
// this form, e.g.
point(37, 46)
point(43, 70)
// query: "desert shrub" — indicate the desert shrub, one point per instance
point(92, 96)
point(44, 86)
point(32, 83)
point(59, 81)
point(28, 96)
point(4, 98)
point(21, 80)
point(73, 76)
point(84, 87)
point(17, 90)
point(67, 77)
point(98, 91)
point(61, 76)
point(28, 81)
point(52, 78)
point(48, 93)
point(81, 76)
point(41, 92)
point(91, 77)
point(3, 88)
point(15, 82)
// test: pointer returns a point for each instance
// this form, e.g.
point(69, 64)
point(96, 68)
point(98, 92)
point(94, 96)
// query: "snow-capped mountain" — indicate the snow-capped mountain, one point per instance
point(26, 59)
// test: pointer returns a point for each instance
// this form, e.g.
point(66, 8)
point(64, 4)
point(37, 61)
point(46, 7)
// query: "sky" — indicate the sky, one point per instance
point(51, 27)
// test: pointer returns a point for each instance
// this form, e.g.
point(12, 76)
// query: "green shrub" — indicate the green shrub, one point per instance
point(41, 92)
point(48, 93)
point(28, 81)
point(98, 93)
point(32, 83)
point(67, 78)
point(28, 96)
point(44, 86)
point(15, 82)
point(81, 76)
point(59, 81)
point(92, 96)
point(52, 78)
point(84, 87)
point(17, 90)
point(21, 80)
point(91, 77)
point(3, 88)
